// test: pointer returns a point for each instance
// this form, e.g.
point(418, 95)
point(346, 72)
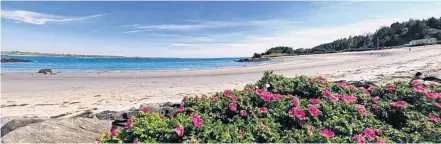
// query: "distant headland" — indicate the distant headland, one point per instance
point(20, 53)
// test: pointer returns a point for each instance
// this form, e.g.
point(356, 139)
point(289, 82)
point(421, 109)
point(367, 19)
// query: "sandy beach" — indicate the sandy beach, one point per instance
point(38, 95)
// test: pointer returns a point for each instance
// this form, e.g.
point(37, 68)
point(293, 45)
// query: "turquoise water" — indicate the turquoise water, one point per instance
point(118, 64)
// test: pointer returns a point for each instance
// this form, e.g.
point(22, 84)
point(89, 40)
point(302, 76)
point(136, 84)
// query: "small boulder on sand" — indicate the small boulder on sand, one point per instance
point(45, 71)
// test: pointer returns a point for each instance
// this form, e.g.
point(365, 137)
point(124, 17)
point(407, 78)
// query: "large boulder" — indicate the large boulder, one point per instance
point(45, 71)
point(6, 60)
point(72, 130)
point(9, 123)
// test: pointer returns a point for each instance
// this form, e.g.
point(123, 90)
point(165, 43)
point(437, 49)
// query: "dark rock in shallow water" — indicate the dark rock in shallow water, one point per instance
point(45, 71)
point(5, 60)
point(253, 60)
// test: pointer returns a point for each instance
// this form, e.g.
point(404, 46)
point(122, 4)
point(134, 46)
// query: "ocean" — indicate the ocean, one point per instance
point(72, 64)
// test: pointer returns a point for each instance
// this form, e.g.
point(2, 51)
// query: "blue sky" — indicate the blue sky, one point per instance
point(193, 29)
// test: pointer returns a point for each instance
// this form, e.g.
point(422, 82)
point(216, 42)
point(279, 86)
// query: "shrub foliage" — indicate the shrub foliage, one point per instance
point(299, 110)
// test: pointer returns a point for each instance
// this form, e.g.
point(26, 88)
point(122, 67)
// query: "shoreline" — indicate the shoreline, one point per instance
point(28, 94)
point(163, 70)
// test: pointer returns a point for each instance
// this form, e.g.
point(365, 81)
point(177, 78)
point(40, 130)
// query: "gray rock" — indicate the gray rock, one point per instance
point(45, 71)
point(72, 130)
point(6, 60)
point(13, 124)
point(164, 109)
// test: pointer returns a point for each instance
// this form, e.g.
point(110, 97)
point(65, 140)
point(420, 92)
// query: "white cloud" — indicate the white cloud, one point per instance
point(205, 25)
point(39, 18)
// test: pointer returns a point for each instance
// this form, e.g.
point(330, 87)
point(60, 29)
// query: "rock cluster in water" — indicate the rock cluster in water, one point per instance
point(6, 60)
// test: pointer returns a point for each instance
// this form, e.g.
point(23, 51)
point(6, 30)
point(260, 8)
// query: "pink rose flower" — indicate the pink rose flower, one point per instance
point(245, 92)
point(227, 93)
point(241, 132)
point(327, 133)
point(214, 98)
point(310, 129)
point(371, 88)
point(185, 98)
point(438, 105)
point(260, 92)
point(262, 126)
point(295, 102)
point(179, 131)
point(232, 106)
point(419, 89)
point(129, 123)
point(196, 98)
point(369, 133)
point(334, 98)
point(181, 108)
point(380, 142)
point(430, 95)
point(234, 98)
point(276, 97)
point(313, 111)
point(263, 110)
point(114, 133)
point(298, 113)
point(348, 99)
point(434, 118)
point(281, 88)
point(375, 107)
point(416, 83)
point(375, 99)
point(326, 93)
point(361, 109)
point(145, 109)
point(243, 112)
point(267, 96)
point(314, 101)
point(197, 121)
point(398, 104)
point(359, 139)
point(389, 87)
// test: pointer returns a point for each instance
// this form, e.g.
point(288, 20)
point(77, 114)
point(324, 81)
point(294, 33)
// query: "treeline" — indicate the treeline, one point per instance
point(398, 33)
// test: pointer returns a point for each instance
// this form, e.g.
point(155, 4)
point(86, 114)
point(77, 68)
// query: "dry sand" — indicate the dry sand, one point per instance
point(37, 95)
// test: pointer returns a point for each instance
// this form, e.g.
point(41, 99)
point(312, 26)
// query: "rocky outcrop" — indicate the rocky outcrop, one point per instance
point(6, 60)
point(45, 71)
point(82, 128)
point(253, 60)
point(164, 109)
point(11, 124)
point(72, 130)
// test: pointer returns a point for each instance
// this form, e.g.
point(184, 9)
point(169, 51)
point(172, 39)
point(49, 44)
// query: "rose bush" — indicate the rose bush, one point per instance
point(301, 109)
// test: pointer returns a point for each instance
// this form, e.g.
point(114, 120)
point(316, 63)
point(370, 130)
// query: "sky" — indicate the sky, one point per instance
point(193, 29)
